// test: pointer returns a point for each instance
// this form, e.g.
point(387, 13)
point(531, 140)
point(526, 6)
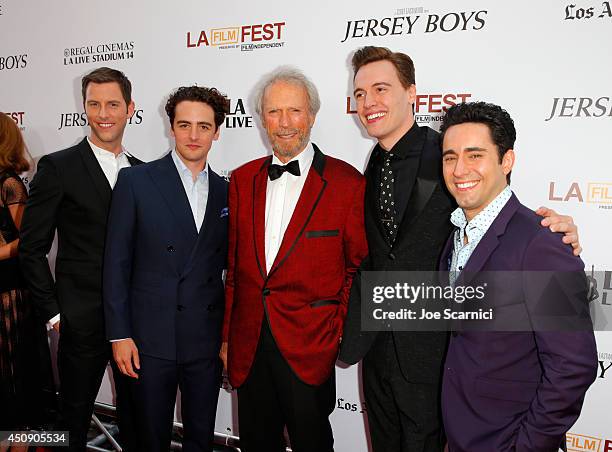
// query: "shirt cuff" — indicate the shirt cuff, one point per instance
point(52, 322)
point(117, 340)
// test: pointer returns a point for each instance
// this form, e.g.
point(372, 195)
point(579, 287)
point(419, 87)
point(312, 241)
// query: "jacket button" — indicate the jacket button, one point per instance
point(170, 249)
point(392, 256)
point(266, 292)
point(180, 307)
point(209, 280)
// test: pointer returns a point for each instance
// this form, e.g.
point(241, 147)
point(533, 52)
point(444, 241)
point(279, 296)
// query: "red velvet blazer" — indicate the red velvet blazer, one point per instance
point(305, 294)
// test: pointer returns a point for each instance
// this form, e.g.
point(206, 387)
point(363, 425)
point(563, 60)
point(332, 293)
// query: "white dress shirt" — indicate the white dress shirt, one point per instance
point(110, 165)
point(196, 191)
point(282, 196)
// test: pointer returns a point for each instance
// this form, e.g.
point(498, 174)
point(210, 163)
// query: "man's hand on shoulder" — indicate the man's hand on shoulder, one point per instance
point(561, 223)
point(125, 354)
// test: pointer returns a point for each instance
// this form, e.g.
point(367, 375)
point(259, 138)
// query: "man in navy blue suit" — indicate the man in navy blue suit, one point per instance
point(163, 290)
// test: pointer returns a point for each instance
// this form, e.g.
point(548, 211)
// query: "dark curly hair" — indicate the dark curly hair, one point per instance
point(210, 96)
point(499, 122)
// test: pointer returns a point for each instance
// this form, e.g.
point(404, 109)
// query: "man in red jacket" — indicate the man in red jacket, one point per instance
point(296, 238)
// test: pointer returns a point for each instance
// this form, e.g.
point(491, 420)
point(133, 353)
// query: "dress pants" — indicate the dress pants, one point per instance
point(402, 416)
point(81, 368)
point(273, 397)
point(156, 389)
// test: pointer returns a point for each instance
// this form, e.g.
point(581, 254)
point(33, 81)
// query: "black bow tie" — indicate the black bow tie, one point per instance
point(275, 171)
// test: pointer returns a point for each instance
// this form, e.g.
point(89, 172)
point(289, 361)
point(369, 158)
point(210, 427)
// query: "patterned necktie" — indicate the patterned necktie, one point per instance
point(387, 204)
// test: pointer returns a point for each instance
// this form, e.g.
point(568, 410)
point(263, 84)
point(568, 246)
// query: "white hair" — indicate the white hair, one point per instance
point(291, 75)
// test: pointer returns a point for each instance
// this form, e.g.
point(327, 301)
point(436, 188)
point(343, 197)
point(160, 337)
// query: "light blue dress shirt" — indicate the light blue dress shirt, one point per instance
point(196, 191)
point(474, 231)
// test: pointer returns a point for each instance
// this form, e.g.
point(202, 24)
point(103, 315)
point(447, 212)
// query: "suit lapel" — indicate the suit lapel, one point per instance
point(100, 182)
point(446, 255)
point(260, 183)
point(490, 240)
point(133, 160)
point(426, 181)
point(167, 179)
point(307, 202)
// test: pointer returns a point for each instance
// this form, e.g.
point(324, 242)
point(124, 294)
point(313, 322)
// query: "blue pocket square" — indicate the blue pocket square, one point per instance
point(224, 212)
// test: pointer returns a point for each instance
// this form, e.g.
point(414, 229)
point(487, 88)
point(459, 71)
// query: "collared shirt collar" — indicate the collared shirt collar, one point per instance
point(304, 158)
point(475, 230)
point(407, 146)
point(485, 217)
point(104, 153)
point(182, 168)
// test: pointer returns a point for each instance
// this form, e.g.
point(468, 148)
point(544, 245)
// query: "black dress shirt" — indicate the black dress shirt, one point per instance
point(404, 165)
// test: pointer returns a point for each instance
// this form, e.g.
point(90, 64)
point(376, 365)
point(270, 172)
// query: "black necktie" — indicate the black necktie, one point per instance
point(387, 204)
point(275, 171)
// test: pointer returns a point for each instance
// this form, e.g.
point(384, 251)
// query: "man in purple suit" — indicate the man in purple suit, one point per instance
point(505, 390)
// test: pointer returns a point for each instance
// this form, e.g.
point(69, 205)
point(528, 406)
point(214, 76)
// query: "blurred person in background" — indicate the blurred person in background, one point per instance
point(20, 370)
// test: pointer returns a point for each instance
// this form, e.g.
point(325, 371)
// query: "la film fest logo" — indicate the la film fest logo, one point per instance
point(580, 107)
point(99, 53)
point(243, 37)
point(14, 61)
point(408, 21)
point(584, 443)
point(237, 117)
point(581, 12)
point(429, 109)
point(79, 119)
point(18, 117)
point(597, 193)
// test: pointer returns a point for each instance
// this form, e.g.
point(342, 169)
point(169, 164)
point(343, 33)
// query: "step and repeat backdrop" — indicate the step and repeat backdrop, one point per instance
point(547, 62)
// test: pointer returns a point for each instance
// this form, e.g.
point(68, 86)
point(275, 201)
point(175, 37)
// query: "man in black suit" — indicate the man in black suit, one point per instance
point(71, 194)
point(166, 250)
point(407, 218)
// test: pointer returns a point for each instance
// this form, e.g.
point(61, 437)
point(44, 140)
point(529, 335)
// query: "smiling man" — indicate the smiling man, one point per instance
point(296, 238)
point(70, 194)
point(407, 210)
point(508, 391)
point(163, 265)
